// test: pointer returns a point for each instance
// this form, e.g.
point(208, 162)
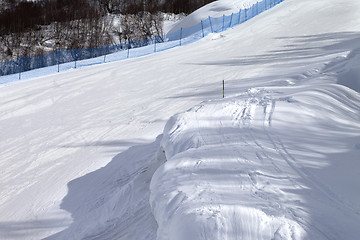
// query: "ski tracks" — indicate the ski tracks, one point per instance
point(254, 115)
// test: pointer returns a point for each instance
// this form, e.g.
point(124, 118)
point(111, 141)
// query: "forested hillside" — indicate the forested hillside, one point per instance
point(36, 27)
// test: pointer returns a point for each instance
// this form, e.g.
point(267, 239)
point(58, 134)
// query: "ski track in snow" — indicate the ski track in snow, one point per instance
point(276, 159)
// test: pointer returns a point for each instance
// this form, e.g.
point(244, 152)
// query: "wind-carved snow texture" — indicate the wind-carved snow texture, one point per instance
point(277, 158)
point(346, 69)
point(248, 167)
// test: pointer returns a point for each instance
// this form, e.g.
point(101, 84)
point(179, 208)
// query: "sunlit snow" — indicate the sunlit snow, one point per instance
point(147, 148)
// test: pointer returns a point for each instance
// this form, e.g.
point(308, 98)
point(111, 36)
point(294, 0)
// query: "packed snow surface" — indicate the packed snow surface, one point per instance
point(147, 148)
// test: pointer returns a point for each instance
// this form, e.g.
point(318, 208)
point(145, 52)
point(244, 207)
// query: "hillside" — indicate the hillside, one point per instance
point(147, 148)
point(36, 28)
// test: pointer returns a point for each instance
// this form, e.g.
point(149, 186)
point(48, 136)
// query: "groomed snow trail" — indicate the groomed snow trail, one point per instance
point(77, 149)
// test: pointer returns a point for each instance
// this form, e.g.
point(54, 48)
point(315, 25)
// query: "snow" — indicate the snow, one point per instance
point(347, 69)
point(170, 20)
point(244, 168)
point(82, 150)
point(215, 9)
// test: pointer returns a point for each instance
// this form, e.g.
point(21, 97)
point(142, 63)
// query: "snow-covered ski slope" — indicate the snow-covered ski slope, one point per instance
point(278, 158)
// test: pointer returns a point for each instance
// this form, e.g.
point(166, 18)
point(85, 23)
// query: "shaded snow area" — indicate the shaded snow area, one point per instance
point(147, 148)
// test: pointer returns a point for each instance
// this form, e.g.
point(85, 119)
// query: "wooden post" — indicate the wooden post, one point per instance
point(223, 88)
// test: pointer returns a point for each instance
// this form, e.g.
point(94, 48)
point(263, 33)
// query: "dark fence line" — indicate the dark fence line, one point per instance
point(67, 59)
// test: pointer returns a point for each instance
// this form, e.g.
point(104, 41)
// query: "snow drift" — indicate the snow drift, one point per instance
point(277, 158)
point(262, 165)
point(276, 161)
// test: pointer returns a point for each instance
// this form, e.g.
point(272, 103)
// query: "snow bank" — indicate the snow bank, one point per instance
point(215, 9)
point(258, 166)
point(347, 70)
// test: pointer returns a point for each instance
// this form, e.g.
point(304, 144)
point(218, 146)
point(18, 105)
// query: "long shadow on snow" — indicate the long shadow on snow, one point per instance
point(298, 51)
point(113, 202)
point(299, 48)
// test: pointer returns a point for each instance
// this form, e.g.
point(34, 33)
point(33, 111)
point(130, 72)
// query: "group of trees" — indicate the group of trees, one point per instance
point(40, 26)
point(152, 6)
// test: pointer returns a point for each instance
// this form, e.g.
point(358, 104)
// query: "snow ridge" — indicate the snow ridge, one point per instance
point(235, 171)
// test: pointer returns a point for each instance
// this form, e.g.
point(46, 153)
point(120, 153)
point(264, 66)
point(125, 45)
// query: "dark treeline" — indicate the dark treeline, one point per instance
point(183, 6)
point(22, 15)
point(37, 27)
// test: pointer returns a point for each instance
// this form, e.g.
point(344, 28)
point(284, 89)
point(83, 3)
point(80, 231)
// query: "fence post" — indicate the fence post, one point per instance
point(180, 35)
point(212, 30)
point(202, 29)
point(231, 20)
point(257, 8)
point(58, 53)
point(154, 43)
point(245, 18)
point(239, 16)
point(75, 50)
point(223, 22)
point(106, 51)
point(128, 49)
point(20, 67)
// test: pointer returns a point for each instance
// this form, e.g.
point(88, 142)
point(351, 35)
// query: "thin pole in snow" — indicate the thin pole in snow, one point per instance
point(223, 88)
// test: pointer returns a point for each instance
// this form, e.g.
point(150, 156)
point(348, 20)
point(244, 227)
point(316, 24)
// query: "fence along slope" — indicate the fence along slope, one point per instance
point(62, 60)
